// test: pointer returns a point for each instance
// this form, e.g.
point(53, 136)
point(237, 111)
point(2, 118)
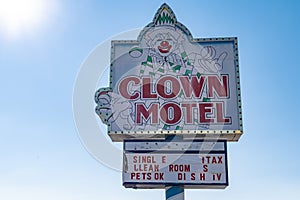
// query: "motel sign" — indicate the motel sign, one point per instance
point(174, 101)
point(166, 82)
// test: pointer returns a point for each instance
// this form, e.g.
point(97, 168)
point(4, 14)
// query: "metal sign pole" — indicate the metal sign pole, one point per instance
point(174, 193)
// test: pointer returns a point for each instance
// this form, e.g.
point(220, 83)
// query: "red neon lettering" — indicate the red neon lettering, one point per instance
point(162, 87)
point(189, 112)
point(204, 109)
point(220, 114)
point(217, 85)
point(143, 112)
point(170, 113)
point(146, 89)
point(124, 87)
point(192, 85)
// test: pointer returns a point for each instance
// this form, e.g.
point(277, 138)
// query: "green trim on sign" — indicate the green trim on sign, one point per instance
point(206, 99)
point(166, 127)
point(149, 58)
point(151, 74)
point(161, 70)
point(177, 67)
point(164, 18)
point(198, 74)
point(188, 72)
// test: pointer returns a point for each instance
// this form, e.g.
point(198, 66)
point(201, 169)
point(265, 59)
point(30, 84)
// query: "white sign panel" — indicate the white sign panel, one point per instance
point(161, 167)
point(167, 82)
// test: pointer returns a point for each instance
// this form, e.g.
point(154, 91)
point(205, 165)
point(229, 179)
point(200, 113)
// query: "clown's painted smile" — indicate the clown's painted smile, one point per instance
point(164, 47)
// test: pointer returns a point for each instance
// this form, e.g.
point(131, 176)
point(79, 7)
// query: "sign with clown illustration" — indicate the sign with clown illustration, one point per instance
point(166, 82)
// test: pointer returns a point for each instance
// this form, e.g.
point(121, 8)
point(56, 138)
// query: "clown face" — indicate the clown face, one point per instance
point(164, 43)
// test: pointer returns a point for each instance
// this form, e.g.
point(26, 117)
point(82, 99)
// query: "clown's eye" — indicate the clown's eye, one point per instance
point(158, 40)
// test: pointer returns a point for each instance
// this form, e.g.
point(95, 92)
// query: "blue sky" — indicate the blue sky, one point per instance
point(41, 154)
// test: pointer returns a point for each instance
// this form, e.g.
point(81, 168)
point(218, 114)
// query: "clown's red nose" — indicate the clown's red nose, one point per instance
point(164, 43)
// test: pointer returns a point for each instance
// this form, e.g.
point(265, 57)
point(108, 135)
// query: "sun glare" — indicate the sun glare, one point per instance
point(18, 16)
